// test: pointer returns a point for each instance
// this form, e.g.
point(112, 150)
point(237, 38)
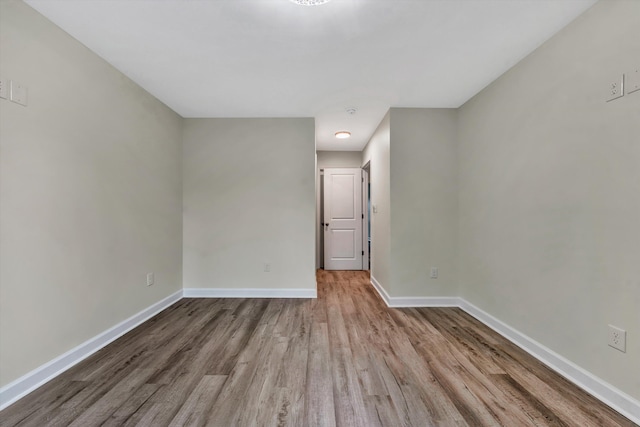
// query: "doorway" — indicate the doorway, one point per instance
point(344, 213)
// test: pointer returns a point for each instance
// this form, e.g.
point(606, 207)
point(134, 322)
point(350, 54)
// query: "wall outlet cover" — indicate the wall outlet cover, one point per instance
point(632, 81)
point(18, 93)
point(615, 88)
point(4, 89)
point(618, 338)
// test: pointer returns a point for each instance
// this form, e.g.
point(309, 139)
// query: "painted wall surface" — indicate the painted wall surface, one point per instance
point(377, 153)
point(339, 159)
point(424, 201)
point(330, 159)
point(549, 236)
point(249, 200)
point(90, 188)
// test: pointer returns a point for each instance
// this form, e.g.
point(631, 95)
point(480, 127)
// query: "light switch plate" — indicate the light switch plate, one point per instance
point(615, 89)
point(632, 81)
point(18, 93)
point(4, 89)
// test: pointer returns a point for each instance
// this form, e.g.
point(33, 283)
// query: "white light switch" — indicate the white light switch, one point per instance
point(4, 89)
point(18, 93)
point(632, 81)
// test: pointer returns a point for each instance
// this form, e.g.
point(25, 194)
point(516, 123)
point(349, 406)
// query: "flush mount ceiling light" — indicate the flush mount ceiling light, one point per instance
point(310, 2)
point(343, 134)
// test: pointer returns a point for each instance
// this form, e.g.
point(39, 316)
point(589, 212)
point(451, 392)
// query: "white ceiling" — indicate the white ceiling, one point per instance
point(272, 58)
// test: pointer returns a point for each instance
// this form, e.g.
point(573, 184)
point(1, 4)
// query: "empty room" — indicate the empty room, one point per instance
point(320, 213)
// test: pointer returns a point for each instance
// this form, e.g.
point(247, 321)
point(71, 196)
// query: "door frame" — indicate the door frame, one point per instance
point(366, 197)
point(365, 221)
point(365, 217)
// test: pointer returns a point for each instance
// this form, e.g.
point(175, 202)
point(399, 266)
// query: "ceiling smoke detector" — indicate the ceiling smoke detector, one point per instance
point(310, 2)
point(351, 111)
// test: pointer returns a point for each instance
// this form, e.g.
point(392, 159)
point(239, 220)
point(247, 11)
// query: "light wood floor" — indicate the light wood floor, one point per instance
point(343, 359)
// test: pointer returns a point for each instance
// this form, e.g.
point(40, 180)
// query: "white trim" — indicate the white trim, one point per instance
point(365, 219)
point(249, 293)
point(605, 392)
point(399, 302)
point(39, 376)
point(381, 291)
point(610, 395)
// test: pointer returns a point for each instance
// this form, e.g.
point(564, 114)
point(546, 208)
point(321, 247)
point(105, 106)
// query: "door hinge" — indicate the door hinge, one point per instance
point(362, 216)
point(362, 253)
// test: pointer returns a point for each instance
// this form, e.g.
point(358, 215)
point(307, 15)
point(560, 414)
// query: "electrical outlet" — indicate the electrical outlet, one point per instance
point(618, 338)
point(267, 268)
point(632, 81)
point(150, 279)
point(434, 272)
point(615, 89)
point(4, 89)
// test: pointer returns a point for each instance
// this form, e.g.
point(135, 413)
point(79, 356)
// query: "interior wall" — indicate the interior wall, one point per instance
point(90, 183)
point(550, 195)
point(330, 159)
point(249, 188)
point(377, 152)
point(424, 201)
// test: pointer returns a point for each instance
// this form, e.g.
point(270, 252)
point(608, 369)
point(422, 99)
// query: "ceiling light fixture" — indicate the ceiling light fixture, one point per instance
point(343, 134)
point(310, 2)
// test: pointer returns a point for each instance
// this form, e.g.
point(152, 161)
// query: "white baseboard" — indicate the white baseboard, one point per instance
point(399, 302)
point(617, 399)
point(608, 394)
point(34, 379)
point(24, 385)
point(381, 291)
point(249, 293)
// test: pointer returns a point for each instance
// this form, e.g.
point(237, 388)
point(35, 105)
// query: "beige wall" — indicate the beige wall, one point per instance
point(424, 201)
point(339, 159)
point(249, 199)
point(545, 180)
point(549, 238)
point(377, 153)
point(330, 159)
point(90, 183)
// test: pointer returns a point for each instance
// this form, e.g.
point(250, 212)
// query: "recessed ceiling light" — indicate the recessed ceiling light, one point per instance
point(343, 134)
point(310, 2)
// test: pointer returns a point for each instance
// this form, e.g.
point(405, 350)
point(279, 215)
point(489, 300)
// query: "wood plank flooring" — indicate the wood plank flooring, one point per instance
point(344, 359)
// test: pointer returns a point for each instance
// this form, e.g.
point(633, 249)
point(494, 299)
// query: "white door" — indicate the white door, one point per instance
point(343, 219)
